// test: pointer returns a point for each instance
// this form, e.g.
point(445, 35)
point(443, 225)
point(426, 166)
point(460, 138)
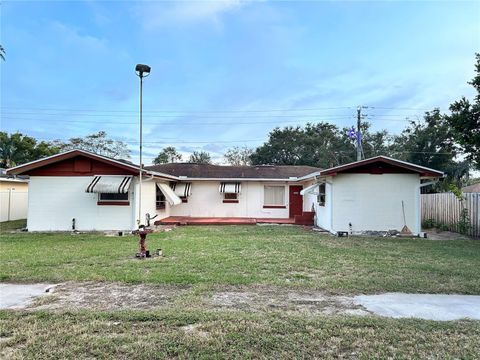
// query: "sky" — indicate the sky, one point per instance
point(225, 73)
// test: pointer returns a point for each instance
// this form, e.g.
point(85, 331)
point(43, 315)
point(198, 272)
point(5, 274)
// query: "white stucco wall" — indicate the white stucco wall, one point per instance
point(374, 202)
point(207, 201)
point(324, 213)
point(54, 201)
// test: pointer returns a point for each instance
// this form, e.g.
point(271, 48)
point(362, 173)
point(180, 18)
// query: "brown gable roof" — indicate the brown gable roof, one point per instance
point(233, 172)
point(382, 164)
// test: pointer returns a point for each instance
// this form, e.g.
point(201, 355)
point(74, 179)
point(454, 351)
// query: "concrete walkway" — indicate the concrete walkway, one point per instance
point(119, 296)
point(17, 296)
point(423, 306)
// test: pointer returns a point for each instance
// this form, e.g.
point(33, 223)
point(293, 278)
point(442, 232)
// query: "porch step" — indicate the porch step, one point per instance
point(305, 219)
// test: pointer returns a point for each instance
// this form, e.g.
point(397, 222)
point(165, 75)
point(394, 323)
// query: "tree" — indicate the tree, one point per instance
point(17, 149)
point(200, 157)
point(238, 155)
point(98, 143)
point(322, 145)
point(168, 155)
point(431, 143)
point(465, 121)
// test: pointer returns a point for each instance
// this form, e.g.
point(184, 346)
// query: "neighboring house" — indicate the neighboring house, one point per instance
point(474, 188)
point(13, 197)
point(81, 190)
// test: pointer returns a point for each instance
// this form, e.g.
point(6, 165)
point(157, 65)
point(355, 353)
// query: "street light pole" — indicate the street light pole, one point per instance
point(142, 71)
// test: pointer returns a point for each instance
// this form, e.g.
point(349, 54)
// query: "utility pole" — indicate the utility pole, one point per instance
point(359, 135)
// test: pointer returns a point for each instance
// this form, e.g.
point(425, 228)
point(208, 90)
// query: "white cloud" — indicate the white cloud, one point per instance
point(181, 13)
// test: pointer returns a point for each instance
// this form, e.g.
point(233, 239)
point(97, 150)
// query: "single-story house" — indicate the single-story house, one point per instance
point(84, 191)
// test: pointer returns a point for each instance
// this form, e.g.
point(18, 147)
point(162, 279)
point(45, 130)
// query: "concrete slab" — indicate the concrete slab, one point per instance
point(17, 296)
point(423, 306)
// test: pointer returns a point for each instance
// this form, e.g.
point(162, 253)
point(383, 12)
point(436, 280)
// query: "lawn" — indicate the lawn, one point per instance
point(245, 255)
point(205, 259)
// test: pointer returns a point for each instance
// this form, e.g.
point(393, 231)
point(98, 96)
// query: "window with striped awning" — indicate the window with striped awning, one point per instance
point(230, 188)
point(111, 184)
point(182, 189)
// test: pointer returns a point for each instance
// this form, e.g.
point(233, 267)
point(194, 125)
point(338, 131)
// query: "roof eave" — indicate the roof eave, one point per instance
point(21, 169)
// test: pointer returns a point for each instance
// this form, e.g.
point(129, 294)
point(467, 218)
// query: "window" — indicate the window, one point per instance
point(230, 198)
point(113, 199)
point(321, 195)
point(274, 196)
point(160, 199)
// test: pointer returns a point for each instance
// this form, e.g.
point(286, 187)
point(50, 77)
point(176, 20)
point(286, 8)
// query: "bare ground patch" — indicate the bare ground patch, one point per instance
point(262, 298)
point(117, 296)
point(109, 296)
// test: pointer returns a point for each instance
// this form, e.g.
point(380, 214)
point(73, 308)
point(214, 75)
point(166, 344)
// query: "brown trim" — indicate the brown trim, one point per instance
point(184, 199)
point(274, 206)
point(230, 201)
point(56, 158)
point(120, 203)
point(412, 167)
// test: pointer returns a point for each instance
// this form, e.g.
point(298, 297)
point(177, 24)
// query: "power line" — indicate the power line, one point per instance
point(181, 111)
point(177, 116)
point(184, 111)
point(306, 118)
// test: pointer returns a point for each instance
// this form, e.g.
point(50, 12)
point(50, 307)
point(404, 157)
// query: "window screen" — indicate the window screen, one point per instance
point(274, 195)
point(113, 197)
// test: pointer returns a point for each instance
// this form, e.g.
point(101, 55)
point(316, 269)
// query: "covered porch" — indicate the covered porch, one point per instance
point(306, 219)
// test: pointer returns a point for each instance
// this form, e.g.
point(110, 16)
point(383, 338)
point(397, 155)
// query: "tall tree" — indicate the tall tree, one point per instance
point(200, 157)
point(16, 149)
point(322, 144)
point(98, 143)
point(431, 143)
point(168, 155)
point(238, 155)
point(465, 120)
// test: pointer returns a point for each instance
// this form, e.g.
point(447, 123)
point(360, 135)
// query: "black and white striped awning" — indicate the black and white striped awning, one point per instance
point(230, 188)
point(182, 189)
point(109, 184)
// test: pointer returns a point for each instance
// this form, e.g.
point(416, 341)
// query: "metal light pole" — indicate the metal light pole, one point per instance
point(142, 71)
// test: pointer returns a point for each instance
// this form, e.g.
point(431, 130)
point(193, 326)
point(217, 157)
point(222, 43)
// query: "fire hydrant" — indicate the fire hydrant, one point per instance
point(142, 232)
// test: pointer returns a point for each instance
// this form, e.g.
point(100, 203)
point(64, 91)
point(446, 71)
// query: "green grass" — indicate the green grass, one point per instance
point(141, 335)
point(244, 255)
point(210, 257)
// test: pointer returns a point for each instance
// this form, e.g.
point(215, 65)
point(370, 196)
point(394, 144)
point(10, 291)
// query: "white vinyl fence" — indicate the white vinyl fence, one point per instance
point(13, 205)
point(445, 209)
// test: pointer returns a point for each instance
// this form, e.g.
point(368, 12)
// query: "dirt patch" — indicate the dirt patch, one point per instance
point(109, 296)
point(268, 298)
point(434, 234)
point(106, 296)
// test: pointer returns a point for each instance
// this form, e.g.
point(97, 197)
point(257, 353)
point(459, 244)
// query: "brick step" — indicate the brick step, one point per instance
point(305, 219)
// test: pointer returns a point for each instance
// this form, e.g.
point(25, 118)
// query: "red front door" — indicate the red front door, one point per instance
point(296, 201)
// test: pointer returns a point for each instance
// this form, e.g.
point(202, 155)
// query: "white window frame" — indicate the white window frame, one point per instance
point(284, 202)
point(322, 196)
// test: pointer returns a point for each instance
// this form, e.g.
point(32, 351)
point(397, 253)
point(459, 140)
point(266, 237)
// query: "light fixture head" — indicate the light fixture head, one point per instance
point(142, 70)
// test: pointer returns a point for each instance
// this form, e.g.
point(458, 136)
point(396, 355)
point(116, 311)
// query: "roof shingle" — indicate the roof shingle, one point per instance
point(233, 172)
